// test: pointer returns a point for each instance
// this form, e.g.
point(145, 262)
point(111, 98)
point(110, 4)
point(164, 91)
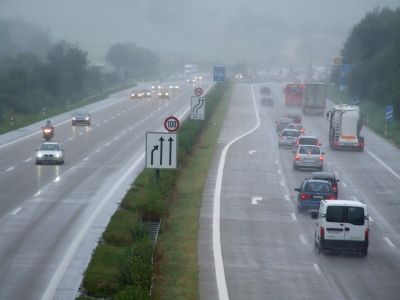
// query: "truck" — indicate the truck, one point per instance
point(314, 98)
point(345, 123)
point(293, 94)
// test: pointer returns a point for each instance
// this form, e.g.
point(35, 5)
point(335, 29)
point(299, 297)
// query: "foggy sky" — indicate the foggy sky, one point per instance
point(286, 31)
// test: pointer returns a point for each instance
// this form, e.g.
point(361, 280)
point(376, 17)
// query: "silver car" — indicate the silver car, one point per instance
point(81, 117)
point(288, 137)
point(308, 156)
point(50, 152)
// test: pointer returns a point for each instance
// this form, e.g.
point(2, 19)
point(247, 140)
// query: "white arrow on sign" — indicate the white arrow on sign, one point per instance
point(252, 151)
point(255, 200)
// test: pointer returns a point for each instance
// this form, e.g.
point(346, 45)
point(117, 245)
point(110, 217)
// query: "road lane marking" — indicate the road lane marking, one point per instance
point(345, 184)
point(216, 234)
point(279, 171)
point(252, 152)
point(395, 174)
point(28, 159)
point(15, 211)
point(287, 198)
point(10, 169)
point(37, 194)
point(80, 133)
point(303, 239)
point(57, 179)
point(387, 240)
point(107, 144)
point(255, 200)
point(86, 158)
point(66, 260)
point(70, 139)
point(317, 268)
point(282, 183)
point(293, 217)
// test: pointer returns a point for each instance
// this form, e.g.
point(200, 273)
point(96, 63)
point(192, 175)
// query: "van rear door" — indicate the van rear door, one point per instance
point(335, 227)
point(355, 223)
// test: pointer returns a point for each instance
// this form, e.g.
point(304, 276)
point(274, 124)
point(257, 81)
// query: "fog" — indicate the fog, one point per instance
point(285, 32)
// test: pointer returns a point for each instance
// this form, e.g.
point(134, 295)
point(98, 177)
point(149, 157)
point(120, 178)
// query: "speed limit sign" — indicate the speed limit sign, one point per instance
point(171, 124)
point(198, 91)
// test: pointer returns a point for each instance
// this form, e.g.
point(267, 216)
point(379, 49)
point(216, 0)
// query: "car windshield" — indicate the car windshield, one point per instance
point(290, 133)
point(318, 187)
point(310, 150)
point(50, 147)
point(308, 141)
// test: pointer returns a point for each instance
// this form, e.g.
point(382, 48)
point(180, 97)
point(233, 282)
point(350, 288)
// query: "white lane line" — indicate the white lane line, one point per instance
point(277, 162)
point(70, 139)
point(66, 261)
point(287, 198)
point(345, 184)
point(98, 150)
point(10, 169)
point(28, 159)
point(303, 239)
point(282, 183)
point(15, 211)
point(80, 133)
point(395, 174)
point(317, 268)
point(86, 158)
point(37, 194)
point(293, 217)
point(107, 144)
point(387, 240)
point(57, 179)
point(279, 171)
point(218, 259)
point(89, 129)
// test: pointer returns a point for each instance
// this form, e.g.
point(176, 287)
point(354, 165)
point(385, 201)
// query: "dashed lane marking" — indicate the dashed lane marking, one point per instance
point(389, 242)
point(317, 268)
point(303, 239)
point(293, 217)
point(15, 211)
point(28, 159)
point(10, 169)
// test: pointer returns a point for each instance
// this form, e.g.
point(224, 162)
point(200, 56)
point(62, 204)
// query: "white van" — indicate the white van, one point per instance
point(342, 225)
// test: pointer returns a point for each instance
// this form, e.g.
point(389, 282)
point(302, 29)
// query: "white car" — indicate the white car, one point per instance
point(342, 225)
point(308, 156)
point(51, 153)
point(288, 137)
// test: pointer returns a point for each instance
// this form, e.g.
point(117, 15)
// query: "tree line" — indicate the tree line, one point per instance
point(373, 50)
point(36, 73)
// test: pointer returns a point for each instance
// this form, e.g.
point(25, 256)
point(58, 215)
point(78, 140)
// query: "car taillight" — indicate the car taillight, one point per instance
point(321, 157)
point(366, 234)
point(334, 187)
point(304, 196)
point(297, 157)
point(322, 233)
point(331, 197)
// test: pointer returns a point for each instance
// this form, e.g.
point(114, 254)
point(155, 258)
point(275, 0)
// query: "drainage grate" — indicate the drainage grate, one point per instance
point(153, 227)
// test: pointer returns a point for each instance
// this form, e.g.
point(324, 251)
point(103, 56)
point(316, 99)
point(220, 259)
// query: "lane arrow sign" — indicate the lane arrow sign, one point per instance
point(161, 149)
point(170, 140)
point(252, 151)
point(256, 199)
point(152, 155)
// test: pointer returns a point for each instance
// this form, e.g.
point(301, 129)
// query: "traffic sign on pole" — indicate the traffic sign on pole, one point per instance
point(198, 91)
point(171, 124)
point(198, 108)
point(161, 150)
point(344, 72)
point(389, 113)
point(219, 74)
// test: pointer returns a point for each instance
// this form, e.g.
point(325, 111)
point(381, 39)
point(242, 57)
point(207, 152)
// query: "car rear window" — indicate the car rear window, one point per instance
point(309, 150)
point(318, 187)
point(308, 141)
point(335, 214)
point(342, 214)
point(355, 215)
point(290, 133)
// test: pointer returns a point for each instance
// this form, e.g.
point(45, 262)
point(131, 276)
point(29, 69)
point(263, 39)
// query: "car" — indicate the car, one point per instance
point(174, 87)
point(308, 156)
point(136, 95)
point(156, 87)
point(311, 192)
point(296, 118)
point(281, 124)
point(341, 225)
point(299, 127)
point(308, 140)
point(328, 176)
point(163, 94)
point(146, 93)
point(81, 117)
point(288, 137)
point(51, 153)
point(267, 101)
point(265, 90)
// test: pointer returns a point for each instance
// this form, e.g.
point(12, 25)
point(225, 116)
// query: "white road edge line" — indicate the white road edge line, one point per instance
point(387, 240)
point(217, 251)
point(303, 239)
point(28, 159)
point(317, 268)
point(15, 211)
point(345, 184)
point(62, 267)
point(10, 169)
point(395, 174)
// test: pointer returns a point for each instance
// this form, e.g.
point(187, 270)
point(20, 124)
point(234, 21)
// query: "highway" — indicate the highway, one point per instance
point(254, 245)
point(51, 217)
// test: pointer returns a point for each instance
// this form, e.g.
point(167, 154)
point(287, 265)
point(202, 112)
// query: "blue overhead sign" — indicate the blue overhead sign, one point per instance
point(389, 113)
point(344, 74)
point(219, 74)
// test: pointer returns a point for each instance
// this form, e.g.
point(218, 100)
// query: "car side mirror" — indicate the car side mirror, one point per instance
point(314, 215)
point(297, 189)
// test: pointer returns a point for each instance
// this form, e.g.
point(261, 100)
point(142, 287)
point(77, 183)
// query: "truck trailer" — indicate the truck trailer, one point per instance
point(345, 122)
point(314, 98)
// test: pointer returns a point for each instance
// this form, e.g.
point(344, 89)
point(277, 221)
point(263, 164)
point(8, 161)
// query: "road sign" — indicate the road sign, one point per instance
point(171, 124)
point(219, 74)
point(198, 91)
point(389, 113)
point(161, 150)
point(343, 75)
point(198, 108)
point(336, 60)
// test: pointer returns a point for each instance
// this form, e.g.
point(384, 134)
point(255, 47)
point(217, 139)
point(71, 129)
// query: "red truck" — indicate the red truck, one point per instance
point(294, 94)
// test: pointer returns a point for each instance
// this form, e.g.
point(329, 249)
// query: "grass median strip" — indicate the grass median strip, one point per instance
point(124, 262)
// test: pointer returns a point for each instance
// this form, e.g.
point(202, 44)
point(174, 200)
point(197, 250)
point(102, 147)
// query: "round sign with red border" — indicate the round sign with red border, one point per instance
point(171, 124)
point(198, 91)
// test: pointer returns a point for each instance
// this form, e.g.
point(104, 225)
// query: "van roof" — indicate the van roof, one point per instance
point(344, 203)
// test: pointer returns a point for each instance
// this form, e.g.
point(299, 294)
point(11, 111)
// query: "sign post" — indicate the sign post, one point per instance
point(388, 117)
point(198, 91)
point(219, 74)
point(171, 124)
point(198, 108)
point(344, 70)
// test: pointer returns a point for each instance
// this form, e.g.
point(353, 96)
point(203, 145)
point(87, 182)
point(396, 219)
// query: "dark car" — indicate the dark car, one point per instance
point(146, 93)
point(267, 101)
point(296, 118)
point(81, 117)
point(328, 176)
point(311, 192)
point(265, 90)
point(281, 124)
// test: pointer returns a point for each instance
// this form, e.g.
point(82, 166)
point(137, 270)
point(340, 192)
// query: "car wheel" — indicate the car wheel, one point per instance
point(364, 252)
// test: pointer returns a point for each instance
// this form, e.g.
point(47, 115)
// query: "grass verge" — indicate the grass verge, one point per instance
point(122, 265)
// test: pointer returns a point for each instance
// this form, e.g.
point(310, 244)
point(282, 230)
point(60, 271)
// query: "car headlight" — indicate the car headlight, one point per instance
point(166, 94)
point(73, 118)
point(57, 155)
point(39, 155)
point(87, 118)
